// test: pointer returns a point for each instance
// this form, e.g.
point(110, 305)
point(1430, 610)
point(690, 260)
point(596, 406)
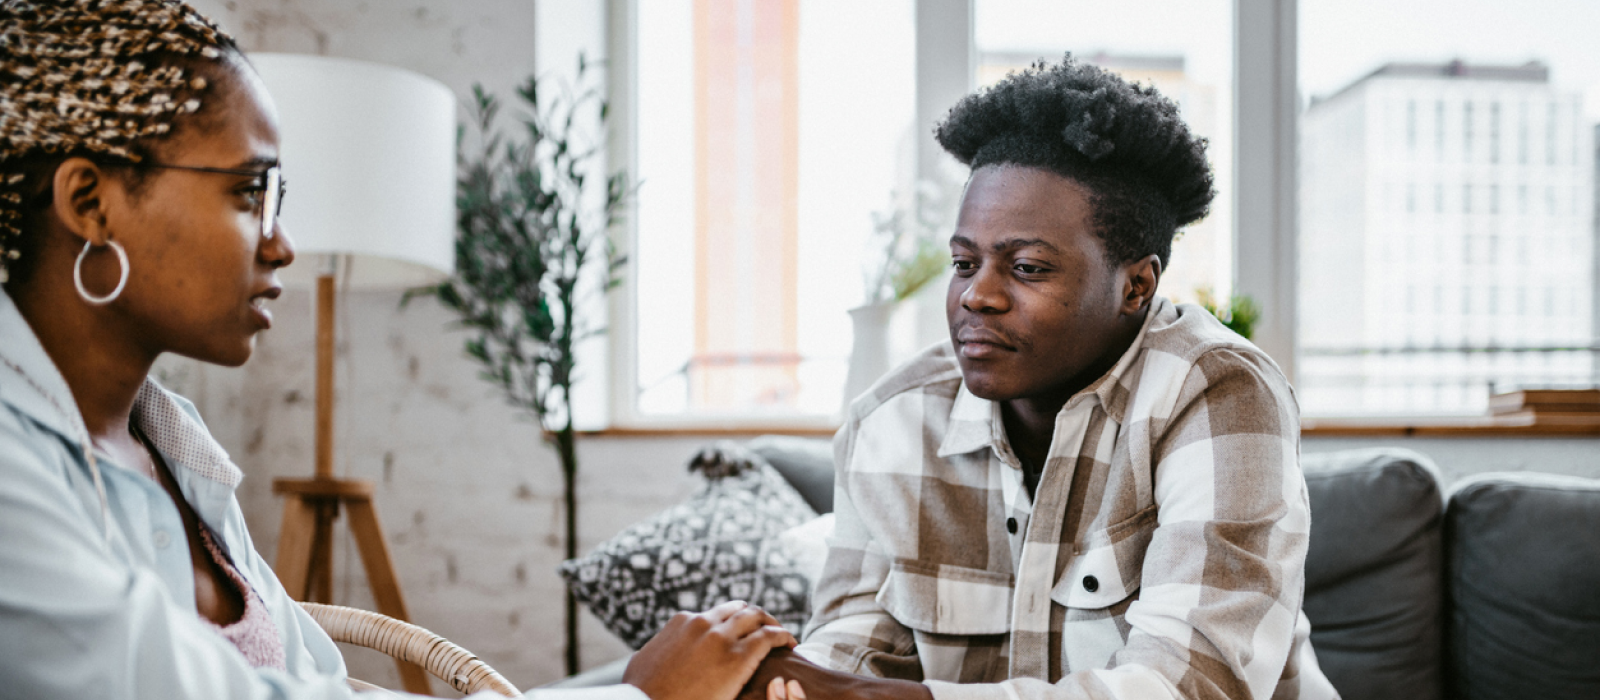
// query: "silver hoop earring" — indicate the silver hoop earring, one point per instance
point(77, 274)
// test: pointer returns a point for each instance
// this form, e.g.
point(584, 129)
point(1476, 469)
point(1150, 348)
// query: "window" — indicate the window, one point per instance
point(1411, 125)
point(767, 135)
point(1522, 134)
point(1438, 130)
point(776, 131)
point(1449, 90)
point(1517, 290)
point(1494, 132)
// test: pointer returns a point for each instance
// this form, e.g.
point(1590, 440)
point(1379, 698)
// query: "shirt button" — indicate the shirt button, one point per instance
point(1011, 525)
point(162, 539)
point(1091, 584)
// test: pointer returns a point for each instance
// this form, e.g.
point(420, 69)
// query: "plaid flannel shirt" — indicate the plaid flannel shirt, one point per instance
point(1163, 556)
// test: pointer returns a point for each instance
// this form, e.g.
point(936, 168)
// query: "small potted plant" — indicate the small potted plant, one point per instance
point(1239, 315)
point(906, 251)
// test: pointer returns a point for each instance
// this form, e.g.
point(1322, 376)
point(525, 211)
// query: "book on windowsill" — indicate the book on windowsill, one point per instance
point(1554, 403)
point(1547, 418)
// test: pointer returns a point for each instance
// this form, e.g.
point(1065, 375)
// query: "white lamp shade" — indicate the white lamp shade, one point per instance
point(368, 152)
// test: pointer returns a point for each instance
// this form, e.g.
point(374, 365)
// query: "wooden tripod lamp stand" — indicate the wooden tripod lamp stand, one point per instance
point(371, 150)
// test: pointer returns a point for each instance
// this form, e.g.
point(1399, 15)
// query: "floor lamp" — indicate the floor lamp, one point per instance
point(369, 153)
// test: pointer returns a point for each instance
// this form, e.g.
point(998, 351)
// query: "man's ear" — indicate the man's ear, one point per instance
point(1139, 280)
point(80, 199)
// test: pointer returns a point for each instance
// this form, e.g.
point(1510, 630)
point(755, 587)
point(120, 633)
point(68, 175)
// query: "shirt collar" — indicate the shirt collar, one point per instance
point(975, 423)
point(175, 429)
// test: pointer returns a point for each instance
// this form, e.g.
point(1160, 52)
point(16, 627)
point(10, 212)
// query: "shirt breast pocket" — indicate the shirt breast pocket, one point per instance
point(1106, 570)
point(959, 618)
point(943, 599)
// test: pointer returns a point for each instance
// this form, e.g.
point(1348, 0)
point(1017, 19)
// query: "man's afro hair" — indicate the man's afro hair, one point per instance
point(1146, 174)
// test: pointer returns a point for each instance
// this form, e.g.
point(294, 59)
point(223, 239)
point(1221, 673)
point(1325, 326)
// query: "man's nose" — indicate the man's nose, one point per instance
point(986, 293)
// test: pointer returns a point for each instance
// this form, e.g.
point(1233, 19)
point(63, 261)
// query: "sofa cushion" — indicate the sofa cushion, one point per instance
point(721, 544)
point(1374, 572)
point(807, 463)
point(1523, 575)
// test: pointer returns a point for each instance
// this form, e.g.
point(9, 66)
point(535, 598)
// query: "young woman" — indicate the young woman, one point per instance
point(139, 192)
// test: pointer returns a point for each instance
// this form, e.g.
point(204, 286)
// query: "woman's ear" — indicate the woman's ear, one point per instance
point(80, 199)
point(1140, 279)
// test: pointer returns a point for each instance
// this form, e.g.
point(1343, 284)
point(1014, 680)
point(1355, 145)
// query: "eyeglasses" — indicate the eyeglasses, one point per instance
point(270, 181)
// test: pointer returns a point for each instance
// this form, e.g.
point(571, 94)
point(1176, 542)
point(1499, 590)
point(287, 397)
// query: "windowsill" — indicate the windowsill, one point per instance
point(1465, 427)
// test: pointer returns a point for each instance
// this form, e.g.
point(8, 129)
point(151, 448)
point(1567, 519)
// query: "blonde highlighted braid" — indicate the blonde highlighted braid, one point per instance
point(91, 78)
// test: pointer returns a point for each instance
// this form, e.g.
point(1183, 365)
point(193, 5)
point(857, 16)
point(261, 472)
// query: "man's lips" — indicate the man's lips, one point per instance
point(978, 343)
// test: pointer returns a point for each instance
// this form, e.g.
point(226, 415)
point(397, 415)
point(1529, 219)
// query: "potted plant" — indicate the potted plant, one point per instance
point(1239, 314)
point(531, 248)
point(906, 251)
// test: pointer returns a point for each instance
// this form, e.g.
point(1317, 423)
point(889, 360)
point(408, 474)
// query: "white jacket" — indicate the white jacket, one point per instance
point(97, 591)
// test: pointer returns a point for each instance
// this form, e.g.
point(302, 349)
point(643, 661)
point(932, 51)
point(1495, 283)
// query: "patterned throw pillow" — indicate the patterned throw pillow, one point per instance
point(719, 545)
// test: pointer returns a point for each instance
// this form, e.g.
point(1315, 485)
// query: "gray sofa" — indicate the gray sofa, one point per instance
point(1491, 591)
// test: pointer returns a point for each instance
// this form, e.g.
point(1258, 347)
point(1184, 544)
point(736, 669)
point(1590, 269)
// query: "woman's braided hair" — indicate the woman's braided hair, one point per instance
point(90, 78)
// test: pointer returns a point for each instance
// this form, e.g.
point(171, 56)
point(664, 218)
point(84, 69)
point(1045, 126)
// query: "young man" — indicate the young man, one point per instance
point(1090, 492)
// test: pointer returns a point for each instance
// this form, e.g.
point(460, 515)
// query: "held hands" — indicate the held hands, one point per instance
point(783, 672)
point(708, 655)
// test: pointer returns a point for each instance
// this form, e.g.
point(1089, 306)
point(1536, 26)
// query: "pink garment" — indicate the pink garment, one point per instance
point(254, 633)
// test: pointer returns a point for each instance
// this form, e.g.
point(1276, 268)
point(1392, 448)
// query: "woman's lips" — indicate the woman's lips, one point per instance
point(259, 312)
point(258, 306)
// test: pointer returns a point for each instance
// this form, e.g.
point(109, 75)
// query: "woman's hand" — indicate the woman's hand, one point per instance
point(706, 656)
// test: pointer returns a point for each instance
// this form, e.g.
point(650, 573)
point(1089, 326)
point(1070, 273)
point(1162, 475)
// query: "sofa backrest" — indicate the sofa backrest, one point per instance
point(1374, 573)
point(1523, 577)
point(806, 462)
point(1374, 588)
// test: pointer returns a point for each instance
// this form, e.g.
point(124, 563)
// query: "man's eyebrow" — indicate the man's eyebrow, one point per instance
point(1008, 244)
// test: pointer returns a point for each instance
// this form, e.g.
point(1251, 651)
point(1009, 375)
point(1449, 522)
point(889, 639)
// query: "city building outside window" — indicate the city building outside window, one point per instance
point(1365, 348)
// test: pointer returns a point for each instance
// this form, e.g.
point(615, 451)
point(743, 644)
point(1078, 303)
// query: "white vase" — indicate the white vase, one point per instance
point(869, 348)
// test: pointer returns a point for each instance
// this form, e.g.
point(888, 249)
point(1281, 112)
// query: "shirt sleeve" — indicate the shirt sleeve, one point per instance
point(848, 630)
point(79, 620)
point(1218, 612)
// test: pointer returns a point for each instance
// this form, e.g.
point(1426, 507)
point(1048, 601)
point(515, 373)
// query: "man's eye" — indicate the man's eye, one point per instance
point(1027, 269)
point(963, 265)
point(252, 195)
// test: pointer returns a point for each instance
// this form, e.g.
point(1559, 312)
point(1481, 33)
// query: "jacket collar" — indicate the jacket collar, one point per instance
point(31, 384)
point(29, 380)
point(975, 423)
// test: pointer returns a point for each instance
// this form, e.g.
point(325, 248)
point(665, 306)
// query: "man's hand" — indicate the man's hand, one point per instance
point(706, 656)
point(818, 682)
